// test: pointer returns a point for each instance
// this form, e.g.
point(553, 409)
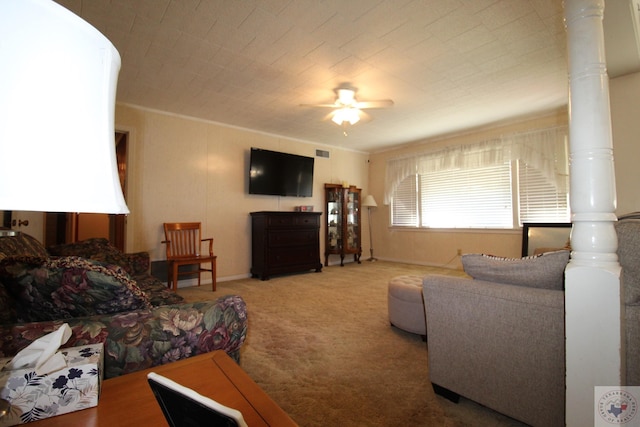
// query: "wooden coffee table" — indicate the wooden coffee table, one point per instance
point(128, 401)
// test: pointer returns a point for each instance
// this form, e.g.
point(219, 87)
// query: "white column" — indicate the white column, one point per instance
point(594, 329)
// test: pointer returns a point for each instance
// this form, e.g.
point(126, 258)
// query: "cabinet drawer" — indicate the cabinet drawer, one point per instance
point(312, 221)
point(277, 238)
point(293, 256)
point(293, 221)
point(281, 221)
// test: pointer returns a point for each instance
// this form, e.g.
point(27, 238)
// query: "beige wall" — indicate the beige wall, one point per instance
point(180, 169)
point(625, 120)
point(188, 170)
point(440, 247)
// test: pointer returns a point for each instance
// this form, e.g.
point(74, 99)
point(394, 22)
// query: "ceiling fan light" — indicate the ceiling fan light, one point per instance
point(342, 115)
point(352, 116)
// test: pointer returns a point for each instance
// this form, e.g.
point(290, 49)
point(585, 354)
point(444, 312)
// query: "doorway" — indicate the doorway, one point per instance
point(61, 227)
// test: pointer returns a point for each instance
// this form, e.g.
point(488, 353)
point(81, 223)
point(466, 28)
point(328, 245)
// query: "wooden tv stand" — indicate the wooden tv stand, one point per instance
point(284, 242)
point(128, 400)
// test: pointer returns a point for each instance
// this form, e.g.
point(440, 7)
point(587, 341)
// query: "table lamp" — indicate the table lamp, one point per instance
point(58, 78)
point(370, 202)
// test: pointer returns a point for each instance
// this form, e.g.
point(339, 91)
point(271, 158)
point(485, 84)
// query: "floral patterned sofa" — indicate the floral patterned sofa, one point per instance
point(107, 296)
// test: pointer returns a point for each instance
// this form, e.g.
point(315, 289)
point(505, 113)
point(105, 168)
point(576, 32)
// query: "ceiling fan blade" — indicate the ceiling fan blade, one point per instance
point(364, 117)
point(382, 103)
point(320, 105)
point(328, 116)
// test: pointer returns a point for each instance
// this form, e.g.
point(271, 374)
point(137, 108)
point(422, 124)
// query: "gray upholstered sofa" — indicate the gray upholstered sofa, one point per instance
point(502, 345)
point(629, 257)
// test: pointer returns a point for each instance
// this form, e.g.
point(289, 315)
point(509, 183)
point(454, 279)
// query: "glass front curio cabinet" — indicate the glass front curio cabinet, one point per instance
point(343, 227)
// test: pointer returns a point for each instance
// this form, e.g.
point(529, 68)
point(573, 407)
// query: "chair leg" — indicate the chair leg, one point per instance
point(169, 273)
point(175, 277)
point(213, 275)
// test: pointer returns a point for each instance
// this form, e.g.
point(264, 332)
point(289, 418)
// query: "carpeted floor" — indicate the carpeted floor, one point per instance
point(321, 346)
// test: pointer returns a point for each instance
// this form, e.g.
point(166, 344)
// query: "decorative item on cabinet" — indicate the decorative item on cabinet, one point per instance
point(343, 227)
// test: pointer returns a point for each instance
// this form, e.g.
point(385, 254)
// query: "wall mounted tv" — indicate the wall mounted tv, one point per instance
point(280, 174)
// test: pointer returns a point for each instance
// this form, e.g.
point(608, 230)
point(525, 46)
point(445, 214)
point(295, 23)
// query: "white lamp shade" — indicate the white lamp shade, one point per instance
point(58, 78)
point(369, 201)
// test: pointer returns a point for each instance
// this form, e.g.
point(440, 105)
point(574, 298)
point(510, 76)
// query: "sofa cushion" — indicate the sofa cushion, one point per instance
point(544, 271)
point(66, 287)
point(21, 244)
point(98, 249)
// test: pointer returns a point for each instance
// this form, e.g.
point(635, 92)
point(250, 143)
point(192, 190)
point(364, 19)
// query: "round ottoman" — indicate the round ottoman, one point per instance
point(406, 307)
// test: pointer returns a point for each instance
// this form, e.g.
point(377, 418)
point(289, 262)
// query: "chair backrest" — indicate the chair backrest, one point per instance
point(182, 239)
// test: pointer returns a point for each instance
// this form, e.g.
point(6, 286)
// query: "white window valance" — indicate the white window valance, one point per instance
point(545, 150)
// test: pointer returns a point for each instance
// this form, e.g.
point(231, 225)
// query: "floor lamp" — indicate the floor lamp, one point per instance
point(369, 202)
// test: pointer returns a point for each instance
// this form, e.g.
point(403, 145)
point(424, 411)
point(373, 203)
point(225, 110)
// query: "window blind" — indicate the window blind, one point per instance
point(495, 183)
point(404, 210)
point(473, 198)
point(540, 201)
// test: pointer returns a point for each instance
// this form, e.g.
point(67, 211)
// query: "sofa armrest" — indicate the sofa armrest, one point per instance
point(142, 339)
point(499, 345)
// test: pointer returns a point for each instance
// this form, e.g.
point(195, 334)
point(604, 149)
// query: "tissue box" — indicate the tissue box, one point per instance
point(34, 397)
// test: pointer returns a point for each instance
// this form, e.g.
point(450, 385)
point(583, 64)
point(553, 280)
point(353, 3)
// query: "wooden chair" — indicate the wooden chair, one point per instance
point(184, 241)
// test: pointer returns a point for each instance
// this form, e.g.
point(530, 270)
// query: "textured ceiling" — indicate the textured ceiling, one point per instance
point(448, 64)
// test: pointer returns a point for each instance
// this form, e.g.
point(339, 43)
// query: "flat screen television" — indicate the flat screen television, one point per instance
point(280, 174)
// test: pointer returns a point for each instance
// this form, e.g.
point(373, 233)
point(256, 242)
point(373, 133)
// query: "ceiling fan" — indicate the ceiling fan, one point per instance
point(347, 109)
